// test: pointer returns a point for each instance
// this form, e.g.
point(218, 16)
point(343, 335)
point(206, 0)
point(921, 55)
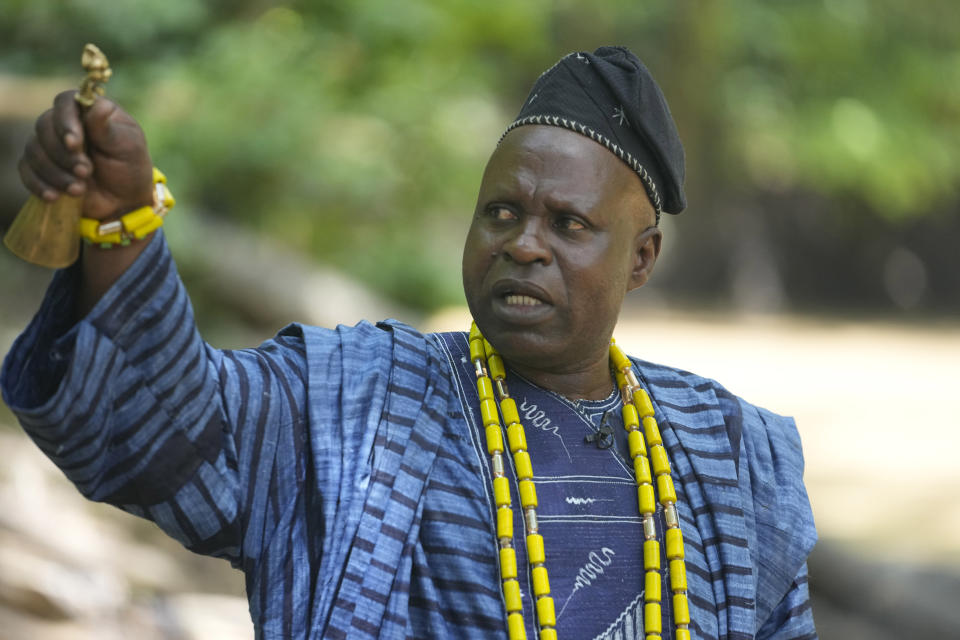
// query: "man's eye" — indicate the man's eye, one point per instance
point(501, 213)
point(570, 224)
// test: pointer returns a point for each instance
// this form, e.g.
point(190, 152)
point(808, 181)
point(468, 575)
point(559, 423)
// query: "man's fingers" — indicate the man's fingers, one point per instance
point(49, 172)
point(33, 183)
point(66, 120)
point(53, 147)
point(68, 131)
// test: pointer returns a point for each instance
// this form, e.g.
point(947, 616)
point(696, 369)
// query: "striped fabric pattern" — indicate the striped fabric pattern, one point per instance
point(334, 467)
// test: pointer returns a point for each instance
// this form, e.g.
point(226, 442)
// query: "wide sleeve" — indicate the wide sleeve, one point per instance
point(772, 459)
point(792, 618)
point(138, 411)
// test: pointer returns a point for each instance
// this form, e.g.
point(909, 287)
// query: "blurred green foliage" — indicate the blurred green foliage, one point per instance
point(358, 131)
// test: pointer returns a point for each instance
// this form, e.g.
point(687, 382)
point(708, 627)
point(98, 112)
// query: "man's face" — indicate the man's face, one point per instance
point(562, 230)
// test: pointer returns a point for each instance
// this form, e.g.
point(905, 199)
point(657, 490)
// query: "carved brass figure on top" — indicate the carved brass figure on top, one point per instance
point(98, 72)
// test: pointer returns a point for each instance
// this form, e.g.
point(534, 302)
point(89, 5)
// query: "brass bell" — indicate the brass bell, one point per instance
point(47, 233)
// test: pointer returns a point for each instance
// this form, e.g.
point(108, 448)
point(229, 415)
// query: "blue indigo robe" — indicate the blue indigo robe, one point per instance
point(339, 468)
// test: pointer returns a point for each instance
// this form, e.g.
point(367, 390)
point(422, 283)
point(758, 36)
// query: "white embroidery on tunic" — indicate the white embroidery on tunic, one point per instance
point(534, 416)
point(589, 572)
point(628, 625)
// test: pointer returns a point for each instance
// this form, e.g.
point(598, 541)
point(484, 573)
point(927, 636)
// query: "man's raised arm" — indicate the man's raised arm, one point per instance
point(113, 382)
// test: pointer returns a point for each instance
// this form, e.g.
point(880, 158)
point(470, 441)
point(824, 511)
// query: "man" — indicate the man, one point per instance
point(352, 474)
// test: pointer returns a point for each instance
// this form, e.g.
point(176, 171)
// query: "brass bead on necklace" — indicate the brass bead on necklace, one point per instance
point(651, 467)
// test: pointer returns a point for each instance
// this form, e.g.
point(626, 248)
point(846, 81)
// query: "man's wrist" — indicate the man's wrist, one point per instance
point(131, 224)
point(101, 268)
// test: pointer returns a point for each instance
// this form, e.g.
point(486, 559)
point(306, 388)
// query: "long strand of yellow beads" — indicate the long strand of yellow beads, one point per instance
point(484, 356)
point(637, 408)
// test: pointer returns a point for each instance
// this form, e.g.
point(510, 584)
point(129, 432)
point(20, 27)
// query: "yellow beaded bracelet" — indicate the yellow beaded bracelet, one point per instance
point(134, 225)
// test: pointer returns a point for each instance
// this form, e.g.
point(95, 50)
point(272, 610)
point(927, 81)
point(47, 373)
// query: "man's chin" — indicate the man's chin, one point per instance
point(530, 346)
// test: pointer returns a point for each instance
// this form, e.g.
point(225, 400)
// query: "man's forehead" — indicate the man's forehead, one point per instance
point(571, 165)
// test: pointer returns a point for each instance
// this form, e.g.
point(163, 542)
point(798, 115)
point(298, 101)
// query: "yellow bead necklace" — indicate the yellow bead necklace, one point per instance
point(637, 411)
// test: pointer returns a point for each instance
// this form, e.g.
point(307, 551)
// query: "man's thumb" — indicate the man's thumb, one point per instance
point(99, 122)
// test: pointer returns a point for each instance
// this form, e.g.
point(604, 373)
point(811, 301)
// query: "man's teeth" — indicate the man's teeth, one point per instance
point(525, 300)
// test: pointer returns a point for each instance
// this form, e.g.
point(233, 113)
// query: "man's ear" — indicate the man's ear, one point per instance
point(646, 250)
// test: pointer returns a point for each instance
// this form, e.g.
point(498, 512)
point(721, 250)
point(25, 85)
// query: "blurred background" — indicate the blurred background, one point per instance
point(326, 155)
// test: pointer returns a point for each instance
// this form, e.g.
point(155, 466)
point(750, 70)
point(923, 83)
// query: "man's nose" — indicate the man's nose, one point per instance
point(528, 243)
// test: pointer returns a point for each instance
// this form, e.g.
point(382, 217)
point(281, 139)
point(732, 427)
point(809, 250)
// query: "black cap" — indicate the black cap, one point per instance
point(610, 97)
